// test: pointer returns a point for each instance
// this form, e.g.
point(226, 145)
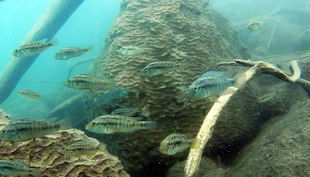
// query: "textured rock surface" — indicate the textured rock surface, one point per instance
point(184, 32)
point(45, 153)
point(281, 149)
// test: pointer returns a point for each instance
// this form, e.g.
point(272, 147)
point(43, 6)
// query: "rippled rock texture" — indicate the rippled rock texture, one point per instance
point(45, 153)
point(185, 32)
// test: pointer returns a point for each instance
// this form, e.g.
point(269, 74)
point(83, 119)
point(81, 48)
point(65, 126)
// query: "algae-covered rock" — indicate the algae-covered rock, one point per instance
point(45, 154)
point(281, 149)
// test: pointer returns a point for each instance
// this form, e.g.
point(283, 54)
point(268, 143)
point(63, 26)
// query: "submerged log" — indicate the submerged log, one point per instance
point(54, 17)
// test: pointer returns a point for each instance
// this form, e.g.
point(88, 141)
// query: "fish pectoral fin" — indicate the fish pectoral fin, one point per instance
point(213, 98)
point(194, 143)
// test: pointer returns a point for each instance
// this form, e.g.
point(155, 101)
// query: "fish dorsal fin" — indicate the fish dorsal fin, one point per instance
point(215, 74)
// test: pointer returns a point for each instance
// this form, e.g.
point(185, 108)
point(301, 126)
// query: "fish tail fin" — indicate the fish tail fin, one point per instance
point(111, 84)
point(151, 124)
point(240, 79)
point(194, 143)
point(36, 172)
point(89, 48)
point(54, 42)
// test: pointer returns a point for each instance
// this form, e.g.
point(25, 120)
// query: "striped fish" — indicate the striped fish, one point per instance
point(176, 142)
point(210, 87)
point(33, 48)
point(161, 67)
point(126, 111)
point(132, 50)
point(87, 82)
point(111, 95)
point(71, 52)
point(85, 147)
point(109, 124)
point(22, 130)
point(29, 94)
point(10, 167)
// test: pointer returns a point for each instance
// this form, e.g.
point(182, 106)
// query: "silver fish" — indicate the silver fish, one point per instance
point(111, 95)
point(29, 94)
point(71, 52)
point(84, 147)
point(22, 130)
point(210, 86)
point(132, 50)
point(33, 48)
point(109, 124)
point(176, 142)
point(160, 67)
point(126, 111)
point(10, 167)
point(87, 82)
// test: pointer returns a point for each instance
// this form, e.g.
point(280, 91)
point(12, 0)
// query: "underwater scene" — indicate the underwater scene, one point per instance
point(154, 88)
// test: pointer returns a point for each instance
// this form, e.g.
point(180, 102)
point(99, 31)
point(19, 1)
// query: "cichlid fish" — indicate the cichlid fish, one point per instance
point(87, 82)
point(132, 50)
point(109, 124)
point(71, 52)
point(22, 130)
point(29, 94)
point(33, 48)
point(84, 147)
point(266, 97)
point(111, 95)
point(4, 119)
point(255, 25)
point(126, 111)
point(160, 67)
point(10, 167)
point(176, 143)
point(210, 86)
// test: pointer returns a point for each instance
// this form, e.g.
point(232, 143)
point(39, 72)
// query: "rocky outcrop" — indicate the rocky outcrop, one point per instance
point(281, 149)
point(45, 153)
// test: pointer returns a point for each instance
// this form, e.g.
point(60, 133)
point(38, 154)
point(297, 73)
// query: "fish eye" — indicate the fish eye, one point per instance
point(69, 81)
point(146, 69)
point(169, 144)
point(94, 124)
point(195, 89)
point(3, 131)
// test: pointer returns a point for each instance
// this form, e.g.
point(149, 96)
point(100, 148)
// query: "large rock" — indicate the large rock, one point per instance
point(184, 32)
point(281, 149)
point(45, 154)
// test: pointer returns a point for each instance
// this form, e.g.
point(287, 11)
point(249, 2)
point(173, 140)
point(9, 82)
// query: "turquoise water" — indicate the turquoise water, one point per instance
point(88, 25)
point(282, 33)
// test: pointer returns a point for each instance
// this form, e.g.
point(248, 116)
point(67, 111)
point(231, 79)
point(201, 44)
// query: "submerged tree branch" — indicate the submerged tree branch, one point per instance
point(204, 134)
